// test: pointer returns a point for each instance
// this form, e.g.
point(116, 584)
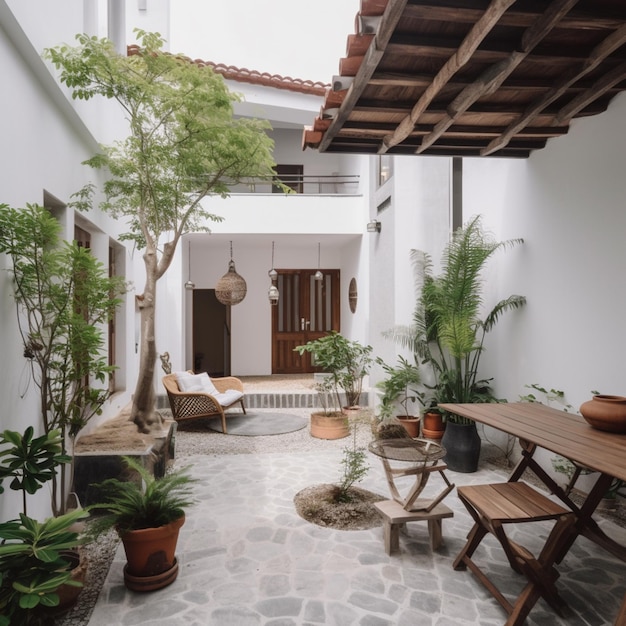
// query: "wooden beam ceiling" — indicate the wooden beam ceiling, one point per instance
point(473, 77)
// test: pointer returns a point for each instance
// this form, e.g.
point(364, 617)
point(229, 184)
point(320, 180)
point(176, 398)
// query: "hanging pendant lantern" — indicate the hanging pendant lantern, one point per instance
point(318, 275)
point(231, 288)
point(273, 294)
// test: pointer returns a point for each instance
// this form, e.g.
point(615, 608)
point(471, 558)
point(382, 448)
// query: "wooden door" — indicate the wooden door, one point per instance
point(306, 310)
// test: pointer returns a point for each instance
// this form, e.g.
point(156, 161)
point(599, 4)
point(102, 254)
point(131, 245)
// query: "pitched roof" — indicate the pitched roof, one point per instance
point(471, 77)
point(244, 75)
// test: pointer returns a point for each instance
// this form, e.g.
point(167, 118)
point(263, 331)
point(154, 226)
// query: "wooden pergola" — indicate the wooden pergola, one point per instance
point(471, 77)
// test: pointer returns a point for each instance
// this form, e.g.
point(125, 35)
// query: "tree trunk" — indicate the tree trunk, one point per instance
point(143, 412)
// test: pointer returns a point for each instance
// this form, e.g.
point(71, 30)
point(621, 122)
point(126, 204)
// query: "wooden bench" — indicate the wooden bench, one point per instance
point(495, 505)
point(395, 517)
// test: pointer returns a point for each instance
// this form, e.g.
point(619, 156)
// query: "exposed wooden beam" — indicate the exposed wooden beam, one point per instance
point(492, 78)
point(471, 42)
point(611, 43)
point(388, 23)
point(601, 86)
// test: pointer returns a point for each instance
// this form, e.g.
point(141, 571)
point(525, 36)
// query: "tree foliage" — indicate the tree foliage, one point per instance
point(64, 299)
point(184, 144)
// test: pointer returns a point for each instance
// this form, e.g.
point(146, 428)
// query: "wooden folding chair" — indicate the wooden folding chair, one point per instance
point(493, 507)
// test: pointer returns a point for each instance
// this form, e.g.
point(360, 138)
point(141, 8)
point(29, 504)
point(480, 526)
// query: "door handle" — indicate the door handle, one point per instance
point(304, 323)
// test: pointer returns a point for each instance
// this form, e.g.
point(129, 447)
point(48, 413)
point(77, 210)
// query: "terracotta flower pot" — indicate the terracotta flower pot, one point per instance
point(411, 425)
point(433, 426)
point(334, 426)
point(151, 551)
point(606, 413)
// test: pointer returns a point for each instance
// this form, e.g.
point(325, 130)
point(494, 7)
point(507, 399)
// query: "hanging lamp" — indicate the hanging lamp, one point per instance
point(273, 293)
point(231, 288)
point(318, 275)
point(189, 285)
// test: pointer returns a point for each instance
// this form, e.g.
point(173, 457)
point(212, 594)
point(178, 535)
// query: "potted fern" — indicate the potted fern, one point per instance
point(147, 512)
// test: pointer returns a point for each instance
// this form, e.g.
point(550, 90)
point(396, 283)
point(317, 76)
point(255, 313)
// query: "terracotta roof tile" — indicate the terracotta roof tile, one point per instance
point(244, 75)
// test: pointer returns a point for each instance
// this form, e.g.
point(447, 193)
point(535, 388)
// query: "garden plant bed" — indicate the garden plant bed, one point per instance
point(318, 504)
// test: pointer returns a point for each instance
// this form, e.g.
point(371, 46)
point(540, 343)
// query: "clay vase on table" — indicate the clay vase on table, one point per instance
point(605, 412)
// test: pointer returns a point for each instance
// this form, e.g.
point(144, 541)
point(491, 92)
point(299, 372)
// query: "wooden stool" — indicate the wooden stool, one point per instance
point(494, 506)
point(396, 516)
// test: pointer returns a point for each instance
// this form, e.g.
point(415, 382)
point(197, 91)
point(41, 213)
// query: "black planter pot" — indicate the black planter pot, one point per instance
point(462, 444)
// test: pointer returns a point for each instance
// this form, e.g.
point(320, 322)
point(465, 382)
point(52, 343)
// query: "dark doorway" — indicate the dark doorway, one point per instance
point(306, 310)
point(211, 334)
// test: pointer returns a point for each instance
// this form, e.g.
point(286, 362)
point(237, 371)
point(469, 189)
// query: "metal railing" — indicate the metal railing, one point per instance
point(334, 184)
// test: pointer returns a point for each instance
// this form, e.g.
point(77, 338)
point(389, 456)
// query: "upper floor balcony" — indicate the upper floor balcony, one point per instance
point(332, 184)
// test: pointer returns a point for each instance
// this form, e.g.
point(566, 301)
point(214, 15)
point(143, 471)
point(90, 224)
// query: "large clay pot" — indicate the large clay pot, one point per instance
point(411, 425)
point(336, 426)
point(433, 426)
point(605, 413)
point(462, 444)
point(151, 552)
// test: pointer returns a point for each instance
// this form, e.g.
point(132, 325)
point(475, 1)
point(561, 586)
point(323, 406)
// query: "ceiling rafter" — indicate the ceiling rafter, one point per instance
point(475, 36)
point(479, 77)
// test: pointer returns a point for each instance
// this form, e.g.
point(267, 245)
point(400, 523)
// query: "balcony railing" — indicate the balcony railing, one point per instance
point(334, 184)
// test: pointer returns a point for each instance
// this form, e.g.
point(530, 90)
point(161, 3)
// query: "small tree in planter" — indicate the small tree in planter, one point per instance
point(184, 145)
point(64, 297)
point(347, 362)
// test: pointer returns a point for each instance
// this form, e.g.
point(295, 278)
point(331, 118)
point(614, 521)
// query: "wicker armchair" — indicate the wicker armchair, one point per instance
point(192, 405)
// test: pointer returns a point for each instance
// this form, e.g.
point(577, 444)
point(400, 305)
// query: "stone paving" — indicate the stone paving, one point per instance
point(246, 559)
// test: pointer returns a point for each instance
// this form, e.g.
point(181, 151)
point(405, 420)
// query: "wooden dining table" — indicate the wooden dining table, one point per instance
point(569, 435)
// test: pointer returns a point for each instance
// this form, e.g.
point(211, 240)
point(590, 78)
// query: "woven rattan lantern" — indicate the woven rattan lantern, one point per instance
point(231, 288)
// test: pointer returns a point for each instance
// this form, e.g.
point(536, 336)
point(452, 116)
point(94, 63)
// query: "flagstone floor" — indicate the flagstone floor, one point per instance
point(246, 558)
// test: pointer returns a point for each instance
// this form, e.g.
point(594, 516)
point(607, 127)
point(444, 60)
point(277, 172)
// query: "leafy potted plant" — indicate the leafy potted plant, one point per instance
point(41, 573)
point(399, 386)
point(448, 332)
point(345, 364)
point(346, 361)
point(147, 513)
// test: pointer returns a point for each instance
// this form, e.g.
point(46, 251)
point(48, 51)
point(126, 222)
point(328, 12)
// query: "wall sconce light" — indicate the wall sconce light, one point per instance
point(373, 226)
point(189, 285)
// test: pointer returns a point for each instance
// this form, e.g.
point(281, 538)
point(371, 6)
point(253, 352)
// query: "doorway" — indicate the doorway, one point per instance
point(211, 334)
point(307, 309)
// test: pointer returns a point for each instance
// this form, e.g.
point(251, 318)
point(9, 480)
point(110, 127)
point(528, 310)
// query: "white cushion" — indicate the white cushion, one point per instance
point(228, 397)
point(195, 383)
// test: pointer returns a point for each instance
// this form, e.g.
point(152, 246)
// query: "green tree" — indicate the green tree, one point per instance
point(184, 144)
point(64, 297)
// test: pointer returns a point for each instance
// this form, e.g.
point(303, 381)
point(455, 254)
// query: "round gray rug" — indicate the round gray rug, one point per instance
point(258, 424)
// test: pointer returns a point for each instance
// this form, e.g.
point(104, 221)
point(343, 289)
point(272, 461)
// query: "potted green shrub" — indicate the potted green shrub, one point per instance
point(448, 332)
point(41, 573)
point(147, 513)
point(400, 387)
point(346, 361)
point(345, 364)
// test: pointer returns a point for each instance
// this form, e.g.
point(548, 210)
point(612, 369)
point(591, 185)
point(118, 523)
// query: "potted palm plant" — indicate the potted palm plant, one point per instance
point(147, 513)
point(448, 332)
point(400, 387)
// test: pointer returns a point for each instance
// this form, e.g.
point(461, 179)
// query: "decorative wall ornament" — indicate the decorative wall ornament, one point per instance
point(352, 295)
point(231, 288)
